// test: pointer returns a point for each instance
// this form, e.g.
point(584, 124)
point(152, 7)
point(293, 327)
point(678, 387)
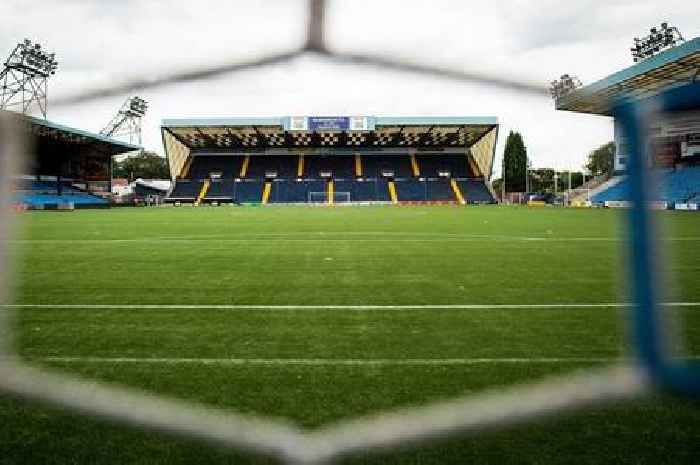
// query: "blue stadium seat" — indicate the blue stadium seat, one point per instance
point(185, 190)
point(345, 186)
point(367, 190)
point(342, 166)
point(289, 191)
point(220, 190)
point(381, 190)
point(374, 164)
point(411, 190)
point(315, 186)
point(672, 186)
point(248, 191)
point(284, 165)
point(43, 200)
point(373, 187)
point(681, 185)
point(439, 189)
point(40, 194)
point(475, 191)
point(431, 165)
point(202, 165)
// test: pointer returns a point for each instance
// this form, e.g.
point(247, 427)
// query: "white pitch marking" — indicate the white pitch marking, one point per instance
point(335, 307)
point(330, 361)
point(343, 235)
point(269, 240)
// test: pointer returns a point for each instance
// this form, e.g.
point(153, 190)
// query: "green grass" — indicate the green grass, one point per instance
point(341, 256)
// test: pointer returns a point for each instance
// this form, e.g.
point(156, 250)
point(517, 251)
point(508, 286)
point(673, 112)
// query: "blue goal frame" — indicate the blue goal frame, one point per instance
point(681, 376)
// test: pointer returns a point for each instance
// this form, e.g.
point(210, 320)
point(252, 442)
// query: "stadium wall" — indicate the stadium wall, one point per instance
point(177, 154)
point(483, 152)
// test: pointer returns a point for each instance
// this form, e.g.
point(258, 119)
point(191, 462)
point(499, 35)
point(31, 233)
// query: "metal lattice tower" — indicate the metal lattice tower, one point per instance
point(564, 86)
point(658, 40)
point(24, 77)
point(127, 121)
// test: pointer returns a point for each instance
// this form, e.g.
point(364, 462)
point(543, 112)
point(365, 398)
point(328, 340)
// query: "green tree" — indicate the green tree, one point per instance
point(146, 165)
point(515, 162)
point(542, 180)
point(496, 184)
point(601, 161)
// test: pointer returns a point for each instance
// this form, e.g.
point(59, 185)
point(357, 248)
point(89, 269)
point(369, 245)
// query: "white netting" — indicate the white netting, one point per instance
point(470, 414)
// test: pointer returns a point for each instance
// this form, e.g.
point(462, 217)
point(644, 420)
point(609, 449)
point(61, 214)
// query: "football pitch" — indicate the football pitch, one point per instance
point(316, 315)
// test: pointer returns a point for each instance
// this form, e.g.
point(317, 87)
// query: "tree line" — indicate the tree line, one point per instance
point(521, 177)
point(144, 165)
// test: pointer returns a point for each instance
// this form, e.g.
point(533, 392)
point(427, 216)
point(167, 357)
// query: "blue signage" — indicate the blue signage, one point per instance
point(329, 123)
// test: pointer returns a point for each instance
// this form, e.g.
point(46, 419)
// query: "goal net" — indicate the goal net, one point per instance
point(318, 197)
point(322, 197)
point(341, 197)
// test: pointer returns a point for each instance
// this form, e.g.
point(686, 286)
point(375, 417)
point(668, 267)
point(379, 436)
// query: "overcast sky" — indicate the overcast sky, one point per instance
point(102, 42)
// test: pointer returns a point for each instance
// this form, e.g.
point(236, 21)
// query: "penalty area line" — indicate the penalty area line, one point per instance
point(334, 307)
point(327, 361)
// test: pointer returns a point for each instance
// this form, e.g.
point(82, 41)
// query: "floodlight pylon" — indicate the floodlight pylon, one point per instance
point(23, 79)
point(563, 86)
point(127, 122)
point(659, 39)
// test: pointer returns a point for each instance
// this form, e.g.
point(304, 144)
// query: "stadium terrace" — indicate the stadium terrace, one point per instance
point(328, 160)
point(71, 166)
point(673, 141)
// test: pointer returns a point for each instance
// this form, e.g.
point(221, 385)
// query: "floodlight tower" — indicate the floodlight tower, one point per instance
point(563, 86)
point(659, 39)
point(127, 121)
point(24, 76)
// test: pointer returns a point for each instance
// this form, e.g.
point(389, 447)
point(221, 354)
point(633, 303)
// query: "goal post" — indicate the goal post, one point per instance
point(318, 197)
point(341, 197)
point(322, 197)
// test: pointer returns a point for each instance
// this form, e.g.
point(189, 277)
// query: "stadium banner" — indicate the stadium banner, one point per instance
point(359, 123)
point(298, 123)
point(329, 123)
point(618, 204)
point(656, 205)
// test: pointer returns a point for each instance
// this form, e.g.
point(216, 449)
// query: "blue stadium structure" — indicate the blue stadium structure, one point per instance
point(71, 168)
point(308, 159)
point(675, 186)
point(674, 137)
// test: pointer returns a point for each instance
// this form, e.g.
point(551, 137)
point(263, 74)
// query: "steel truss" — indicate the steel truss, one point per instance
point(24, 79)
point(128, 121)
